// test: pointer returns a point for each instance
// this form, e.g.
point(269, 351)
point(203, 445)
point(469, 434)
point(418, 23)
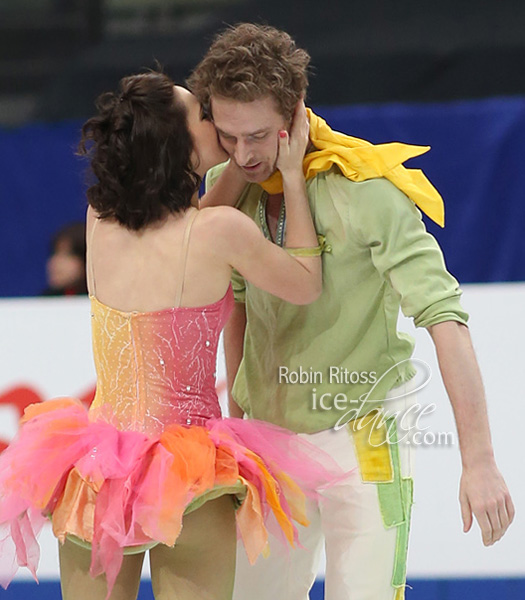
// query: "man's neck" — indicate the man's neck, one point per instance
point(273, 210)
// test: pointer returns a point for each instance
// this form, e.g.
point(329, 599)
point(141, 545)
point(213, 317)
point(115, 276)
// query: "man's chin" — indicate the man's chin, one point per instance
point(257, 176)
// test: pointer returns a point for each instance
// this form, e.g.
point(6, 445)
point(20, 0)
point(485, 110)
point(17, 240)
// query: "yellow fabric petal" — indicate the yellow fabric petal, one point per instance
point(75, 511)
point(295, 498)
point(251, 523)
point(359, 160)
point(272, 499)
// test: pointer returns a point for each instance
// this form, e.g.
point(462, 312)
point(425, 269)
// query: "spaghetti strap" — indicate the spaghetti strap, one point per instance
point(184, 255)
point(90, 258)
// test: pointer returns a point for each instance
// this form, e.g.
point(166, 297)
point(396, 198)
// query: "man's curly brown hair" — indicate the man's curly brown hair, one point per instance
point(248, 62)
point(140, 149)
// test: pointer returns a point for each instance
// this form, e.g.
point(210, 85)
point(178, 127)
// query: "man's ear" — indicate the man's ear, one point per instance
point(206, 112)
point(297, 106)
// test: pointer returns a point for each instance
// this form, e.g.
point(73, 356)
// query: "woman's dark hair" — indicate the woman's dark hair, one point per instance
point(140, 149)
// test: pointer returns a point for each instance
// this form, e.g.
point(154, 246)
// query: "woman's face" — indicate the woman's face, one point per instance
point(64, 268)
point(207, 152)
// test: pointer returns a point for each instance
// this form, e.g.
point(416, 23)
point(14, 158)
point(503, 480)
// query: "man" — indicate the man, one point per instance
point(325, 370)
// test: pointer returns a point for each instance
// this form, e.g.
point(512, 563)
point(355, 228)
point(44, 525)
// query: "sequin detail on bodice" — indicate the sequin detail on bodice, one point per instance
point(157, 368)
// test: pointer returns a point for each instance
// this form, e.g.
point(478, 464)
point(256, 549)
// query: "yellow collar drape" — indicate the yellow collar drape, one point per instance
point(360, 160)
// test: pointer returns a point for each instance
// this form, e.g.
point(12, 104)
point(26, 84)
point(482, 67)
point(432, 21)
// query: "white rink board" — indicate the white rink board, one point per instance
point(45, 344)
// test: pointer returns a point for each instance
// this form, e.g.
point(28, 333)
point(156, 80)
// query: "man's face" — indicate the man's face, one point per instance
point(248, 131)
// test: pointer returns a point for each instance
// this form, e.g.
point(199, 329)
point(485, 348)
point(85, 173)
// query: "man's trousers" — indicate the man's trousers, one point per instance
point(363, 520)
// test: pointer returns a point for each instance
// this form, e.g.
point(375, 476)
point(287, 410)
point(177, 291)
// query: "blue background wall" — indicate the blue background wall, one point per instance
point(478, 147)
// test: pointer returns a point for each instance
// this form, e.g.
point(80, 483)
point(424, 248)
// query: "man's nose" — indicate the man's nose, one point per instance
point(242, 153)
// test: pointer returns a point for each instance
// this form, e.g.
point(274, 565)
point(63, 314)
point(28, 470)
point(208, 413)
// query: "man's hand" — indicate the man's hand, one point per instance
point(484, 494)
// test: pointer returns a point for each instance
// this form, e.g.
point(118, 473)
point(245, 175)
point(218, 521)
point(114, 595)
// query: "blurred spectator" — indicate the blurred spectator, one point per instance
point(66, 267)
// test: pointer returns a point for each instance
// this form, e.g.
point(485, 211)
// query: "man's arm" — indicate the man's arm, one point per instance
point(233, 350)
point(483, 491)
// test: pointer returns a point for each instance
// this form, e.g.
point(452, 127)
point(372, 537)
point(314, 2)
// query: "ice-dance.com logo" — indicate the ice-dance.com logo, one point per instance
point(400, 404)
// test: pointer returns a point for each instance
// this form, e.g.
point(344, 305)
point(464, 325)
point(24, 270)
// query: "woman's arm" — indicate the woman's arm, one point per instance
point(226, 190)
point(300, 230)
point(238, 241)
point(296, 279)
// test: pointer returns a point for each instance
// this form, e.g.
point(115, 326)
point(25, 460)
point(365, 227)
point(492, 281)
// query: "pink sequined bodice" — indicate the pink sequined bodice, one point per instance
point(158, 368)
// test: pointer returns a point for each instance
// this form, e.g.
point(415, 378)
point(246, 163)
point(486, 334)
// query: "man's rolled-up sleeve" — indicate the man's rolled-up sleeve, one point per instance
point(405, 254)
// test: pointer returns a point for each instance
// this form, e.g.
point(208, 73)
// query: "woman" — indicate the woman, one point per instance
point(153, 448)
point(66, 265)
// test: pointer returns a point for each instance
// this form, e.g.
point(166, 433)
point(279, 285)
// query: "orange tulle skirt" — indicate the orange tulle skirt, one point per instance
point(124, 491)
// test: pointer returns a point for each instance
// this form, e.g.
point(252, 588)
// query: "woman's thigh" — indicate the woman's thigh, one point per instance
point(77, 583)
point(201, 565)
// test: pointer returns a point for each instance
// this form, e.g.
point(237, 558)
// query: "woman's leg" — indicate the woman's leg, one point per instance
point(201, 565)
point(77, 583)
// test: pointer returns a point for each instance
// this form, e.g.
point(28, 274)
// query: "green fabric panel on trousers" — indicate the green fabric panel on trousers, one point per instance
point(403, 531)
point(395, 502)
point(391, 494)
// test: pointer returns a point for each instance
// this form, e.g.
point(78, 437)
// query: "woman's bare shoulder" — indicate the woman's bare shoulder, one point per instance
point(224, 220)
point(228, 232)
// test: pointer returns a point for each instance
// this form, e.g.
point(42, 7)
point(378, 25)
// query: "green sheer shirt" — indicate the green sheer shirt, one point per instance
point(311, 367)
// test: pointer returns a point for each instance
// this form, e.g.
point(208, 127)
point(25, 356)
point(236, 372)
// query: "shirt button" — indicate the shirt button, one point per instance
point(188, 388)
point(207, 343)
